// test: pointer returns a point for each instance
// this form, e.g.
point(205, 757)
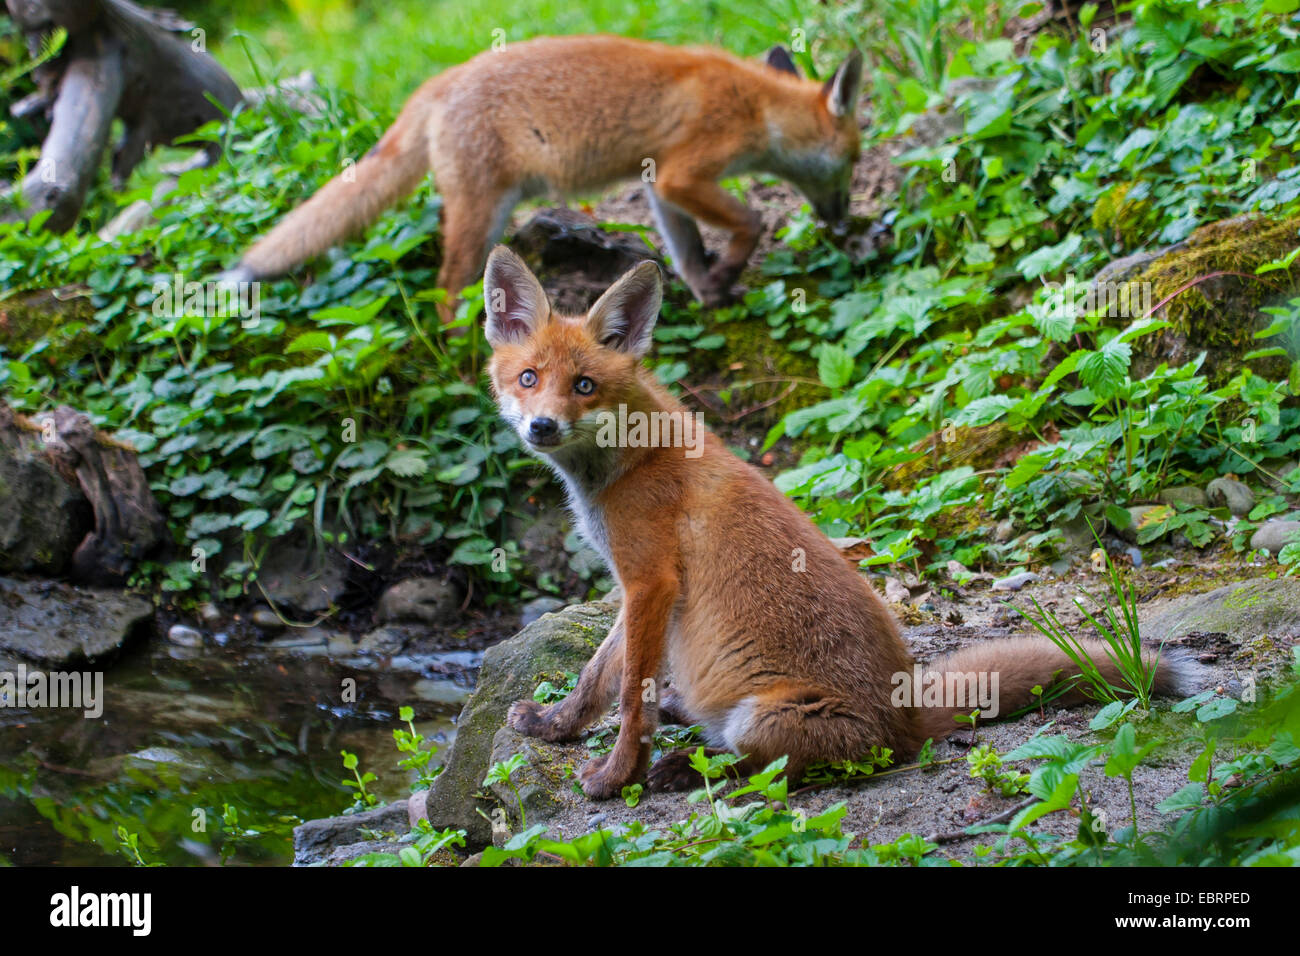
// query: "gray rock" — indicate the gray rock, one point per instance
point(574, 258)
point(1188, 495)
point(537, 607)
point(1136, 513)
point(58, 625)
point(1232, 494)
point(42, 517)
point(210, 614)
point(309, 642)
point(295, 576)
point(511, 671)
point(340, 645)
point(184, 636)
point(1272, 536)
point(1242, 611)
point(267, 619)
point(1005, 531)
point(1015, 582)
point(538, 782)
point(428, 600)
point(315, 840)
point(384, 642)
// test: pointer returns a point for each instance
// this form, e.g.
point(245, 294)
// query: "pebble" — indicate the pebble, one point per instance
point(1015, 582)
point(1232, 494)
point(1273, 536)
point(184, 636)
point(596, 819)
point(267, 619)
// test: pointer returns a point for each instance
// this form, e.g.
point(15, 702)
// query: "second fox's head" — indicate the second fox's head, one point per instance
point(553, 374)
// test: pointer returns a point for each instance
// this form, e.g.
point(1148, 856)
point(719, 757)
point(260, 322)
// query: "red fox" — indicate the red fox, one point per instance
point(569, 114)
point(773, 642)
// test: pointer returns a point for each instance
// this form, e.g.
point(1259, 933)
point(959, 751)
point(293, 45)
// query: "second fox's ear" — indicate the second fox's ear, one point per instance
point(514, 300)
point(841, 90)
point(779, 58)
point(624, 317)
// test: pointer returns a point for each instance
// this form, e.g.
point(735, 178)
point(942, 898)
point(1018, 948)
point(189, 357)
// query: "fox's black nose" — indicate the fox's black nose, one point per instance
point(543, 429)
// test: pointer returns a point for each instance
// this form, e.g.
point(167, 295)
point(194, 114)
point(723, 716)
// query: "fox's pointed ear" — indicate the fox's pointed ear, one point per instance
point(514, 300)
point(841, 90)
point(779, 58)
point(624, 317)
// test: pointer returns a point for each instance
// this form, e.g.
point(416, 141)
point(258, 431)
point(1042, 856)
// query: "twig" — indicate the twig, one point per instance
point(1002, 817)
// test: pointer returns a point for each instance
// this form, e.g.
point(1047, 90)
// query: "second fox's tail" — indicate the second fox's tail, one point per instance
point(1004, 672)
point(347, 203)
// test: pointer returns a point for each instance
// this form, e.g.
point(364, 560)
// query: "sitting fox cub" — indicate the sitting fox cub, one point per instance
point(774, 643)
point(571, 114)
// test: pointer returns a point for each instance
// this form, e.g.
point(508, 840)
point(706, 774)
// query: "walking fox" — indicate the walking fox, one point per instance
point(774, 643)
point(570, 114)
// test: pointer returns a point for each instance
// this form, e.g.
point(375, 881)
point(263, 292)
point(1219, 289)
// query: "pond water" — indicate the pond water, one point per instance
point(212, 755)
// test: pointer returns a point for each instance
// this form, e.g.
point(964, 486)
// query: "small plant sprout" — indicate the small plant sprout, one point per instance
point(503, 772)
point(363, 799)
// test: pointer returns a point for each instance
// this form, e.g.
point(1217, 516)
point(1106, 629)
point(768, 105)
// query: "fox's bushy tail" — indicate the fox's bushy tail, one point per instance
point(350, 201)
point(1021, 663)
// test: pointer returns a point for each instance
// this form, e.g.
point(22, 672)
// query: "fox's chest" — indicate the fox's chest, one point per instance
point(590, 520)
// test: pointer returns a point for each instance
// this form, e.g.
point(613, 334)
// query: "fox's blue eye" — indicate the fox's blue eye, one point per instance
point(584, 386)
point(527, 378)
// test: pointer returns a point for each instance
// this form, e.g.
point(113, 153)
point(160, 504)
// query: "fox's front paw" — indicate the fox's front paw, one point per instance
point(536, 720)
point(602, 777)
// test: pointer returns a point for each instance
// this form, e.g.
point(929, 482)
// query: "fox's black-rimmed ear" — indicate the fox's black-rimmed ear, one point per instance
point(841, 90)
point(624, 317)
point(514, 300)
point(779, 58)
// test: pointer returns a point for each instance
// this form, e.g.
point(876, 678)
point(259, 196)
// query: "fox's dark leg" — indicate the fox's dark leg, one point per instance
point(708, 202)
point(682, 237)
point(597, 686)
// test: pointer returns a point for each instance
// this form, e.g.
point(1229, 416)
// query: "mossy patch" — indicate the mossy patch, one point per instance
point(1214, 296)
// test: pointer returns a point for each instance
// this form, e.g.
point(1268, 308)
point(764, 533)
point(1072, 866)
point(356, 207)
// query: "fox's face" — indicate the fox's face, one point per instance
point(816, 149)
point(552, 375)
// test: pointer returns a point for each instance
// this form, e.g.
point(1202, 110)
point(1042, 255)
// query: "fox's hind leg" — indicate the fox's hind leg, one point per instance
point(471, 223)
point(702, 198)
point(804, 724)
point(597, 686)
point(682, 237)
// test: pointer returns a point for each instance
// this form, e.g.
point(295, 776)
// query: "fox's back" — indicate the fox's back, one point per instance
point(580, 112)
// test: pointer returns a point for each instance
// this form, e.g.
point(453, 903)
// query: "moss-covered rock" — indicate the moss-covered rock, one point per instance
point(545, 649)
point(1212, 297)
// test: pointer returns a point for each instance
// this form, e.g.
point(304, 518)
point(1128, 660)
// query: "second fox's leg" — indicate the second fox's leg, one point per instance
point(470, 224)
point(682, 237)
point(597, 686)
point(708, 202)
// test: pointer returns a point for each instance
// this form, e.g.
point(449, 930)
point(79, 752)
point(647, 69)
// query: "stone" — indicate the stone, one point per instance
point(43, 515)
point(1015, 582)
point(59, 626)
point(383, 642)
point(427, 600)
point(295, 576)
point(511, 670)
point(1231, 494)
point(1188, 495)
point(315, 841)
point(1273, 535)
point(1005, 531)
point(537, 607)
point(184, 636)
point(1242, 611)
point(574, 259)
point(1136, 513)
point(266, 619)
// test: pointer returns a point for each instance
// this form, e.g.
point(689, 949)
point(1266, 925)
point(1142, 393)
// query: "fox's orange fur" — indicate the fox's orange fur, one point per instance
point(773, 642)
point(573, 114)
